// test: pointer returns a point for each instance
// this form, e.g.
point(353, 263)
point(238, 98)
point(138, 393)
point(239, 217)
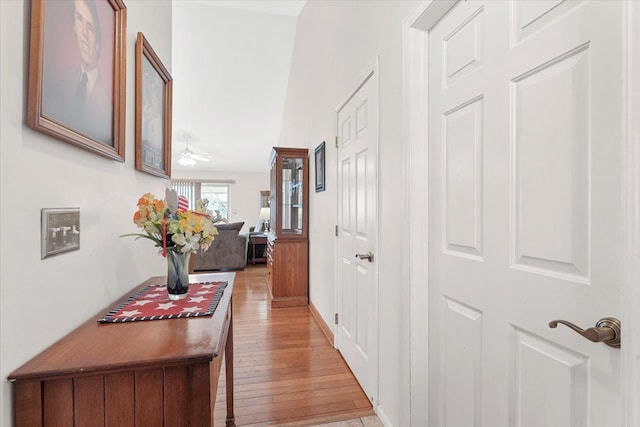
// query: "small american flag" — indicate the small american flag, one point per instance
point(183, 203)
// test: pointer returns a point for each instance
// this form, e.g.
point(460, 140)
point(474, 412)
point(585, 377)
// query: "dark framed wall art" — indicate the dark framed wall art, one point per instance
point(319, 166)
point(154, 91)
point(77, 72)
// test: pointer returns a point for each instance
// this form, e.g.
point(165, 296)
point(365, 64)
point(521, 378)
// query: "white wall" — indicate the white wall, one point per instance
point(42, 300)
point(244, 194)
point(336, 42)
point(231, 70)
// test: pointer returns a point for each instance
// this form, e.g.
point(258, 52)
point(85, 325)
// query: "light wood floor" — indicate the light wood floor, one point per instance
point(286, 371)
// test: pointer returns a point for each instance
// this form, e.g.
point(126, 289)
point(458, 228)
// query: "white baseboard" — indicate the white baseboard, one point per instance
point(385, 420)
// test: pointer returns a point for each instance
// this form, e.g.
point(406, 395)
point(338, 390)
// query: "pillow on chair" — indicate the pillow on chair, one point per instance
point(233, 226)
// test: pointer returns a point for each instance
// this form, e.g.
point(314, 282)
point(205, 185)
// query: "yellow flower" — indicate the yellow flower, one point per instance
point(185, 231)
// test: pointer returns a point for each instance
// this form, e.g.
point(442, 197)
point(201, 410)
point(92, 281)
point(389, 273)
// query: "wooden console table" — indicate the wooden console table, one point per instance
point(144, 373)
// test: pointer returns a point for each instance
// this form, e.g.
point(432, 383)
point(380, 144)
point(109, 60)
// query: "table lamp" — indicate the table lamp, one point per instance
point(265, 215)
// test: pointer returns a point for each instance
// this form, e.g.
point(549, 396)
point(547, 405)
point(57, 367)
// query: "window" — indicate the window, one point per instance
point(218, 196)
point(188, 190)
point(216, 192)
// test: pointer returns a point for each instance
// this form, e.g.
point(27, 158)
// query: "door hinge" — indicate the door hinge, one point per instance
point(335, 318)
point(336, 141)
point(336, 231)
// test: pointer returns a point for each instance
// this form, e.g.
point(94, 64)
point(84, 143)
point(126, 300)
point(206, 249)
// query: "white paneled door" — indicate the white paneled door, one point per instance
point(356, 299)
point(525, 139)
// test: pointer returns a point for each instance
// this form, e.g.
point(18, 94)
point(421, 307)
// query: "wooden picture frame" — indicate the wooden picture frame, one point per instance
point(77, 73)
point(154, 92)
point(319, 166)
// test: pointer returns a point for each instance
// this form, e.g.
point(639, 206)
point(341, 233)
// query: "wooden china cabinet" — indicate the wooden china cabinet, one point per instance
point(287, 239)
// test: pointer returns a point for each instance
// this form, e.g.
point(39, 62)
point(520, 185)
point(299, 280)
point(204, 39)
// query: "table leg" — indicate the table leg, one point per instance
point(228, 351)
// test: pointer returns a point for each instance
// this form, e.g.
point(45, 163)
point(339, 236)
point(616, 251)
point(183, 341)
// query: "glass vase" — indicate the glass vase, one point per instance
point(178, 274)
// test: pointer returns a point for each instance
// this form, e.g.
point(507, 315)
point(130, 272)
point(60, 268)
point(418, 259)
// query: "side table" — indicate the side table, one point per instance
point(257, 240)
point(154, 373)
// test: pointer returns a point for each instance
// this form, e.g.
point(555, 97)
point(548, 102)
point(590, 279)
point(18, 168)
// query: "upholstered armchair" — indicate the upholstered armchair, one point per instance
point(227, 252)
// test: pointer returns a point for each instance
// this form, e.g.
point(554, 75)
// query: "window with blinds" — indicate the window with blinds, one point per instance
point(216, 192)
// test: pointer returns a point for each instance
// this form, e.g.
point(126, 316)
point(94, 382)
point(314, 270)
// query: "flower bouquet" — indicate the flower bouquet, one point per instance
point(177, 232)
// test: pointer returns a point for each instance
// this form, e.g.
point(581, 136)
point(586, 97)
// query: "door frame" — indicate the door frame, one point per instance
point(371, 73)
point(415, 139)
point(631, 210)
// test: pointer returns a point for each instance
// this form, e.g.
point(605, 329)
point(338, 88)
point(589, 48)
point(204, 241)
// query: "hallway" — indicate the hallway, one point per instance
point(286, 371)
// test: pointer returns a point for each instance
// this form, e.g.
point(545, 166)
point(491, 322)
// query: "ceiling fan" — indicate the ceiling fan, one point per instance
point(188, 158)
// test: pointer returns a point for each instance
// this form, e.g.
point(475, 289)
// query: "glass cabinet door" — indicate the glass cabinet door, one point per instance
point(289, 192)
point(272, 198)
point(292, 192)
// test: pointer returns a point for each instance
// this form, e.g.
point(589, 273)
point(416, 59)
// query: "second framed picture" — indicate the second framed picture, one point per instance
point(154, 91)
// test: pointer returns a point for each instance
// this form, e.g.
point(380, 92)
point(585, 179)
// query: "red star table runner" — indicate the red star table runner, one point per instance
point(152, 303)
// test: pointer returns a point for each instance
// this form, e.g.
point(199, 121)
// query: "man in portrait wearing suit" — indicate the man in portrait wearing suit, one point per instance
point(79, 99)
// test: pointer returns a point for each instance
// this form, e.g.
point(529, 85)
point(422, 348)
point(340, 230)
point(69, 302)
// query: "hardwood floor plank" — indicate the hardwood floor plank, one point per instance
point(297, 395)
point(278, 391)
point(282, 363)
point(286, 372)
point(297, 413)
point(301, 403)
point(338, 416)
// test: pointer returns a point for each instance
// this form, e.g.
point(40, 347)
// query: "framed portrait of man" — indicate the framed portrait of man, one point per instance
point(77, 73)
point(154, 91)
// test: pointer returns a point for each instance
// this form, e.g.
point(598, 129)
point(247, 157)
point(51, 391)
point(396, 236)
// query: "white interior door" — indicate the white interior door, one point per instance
point(525, 119)
point(356, 335)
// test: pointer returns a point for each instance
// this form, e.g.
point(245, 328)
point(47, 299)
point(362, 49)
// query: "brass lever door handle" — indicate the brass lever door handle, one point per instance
point(368, 256)
point(607, 330)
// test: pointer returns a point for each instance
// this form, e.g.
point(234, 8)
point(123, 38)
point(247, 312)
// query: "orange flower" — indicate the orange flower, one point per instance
point(188, 230)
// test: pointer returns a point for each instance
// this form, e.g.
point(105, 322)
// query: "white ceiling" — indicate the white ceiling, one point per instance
point(230, 69)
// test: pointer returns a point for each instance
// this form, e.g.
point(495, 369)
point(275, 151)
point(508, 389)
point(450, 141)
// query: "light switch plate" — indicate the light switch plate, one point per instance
point(60, 231)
